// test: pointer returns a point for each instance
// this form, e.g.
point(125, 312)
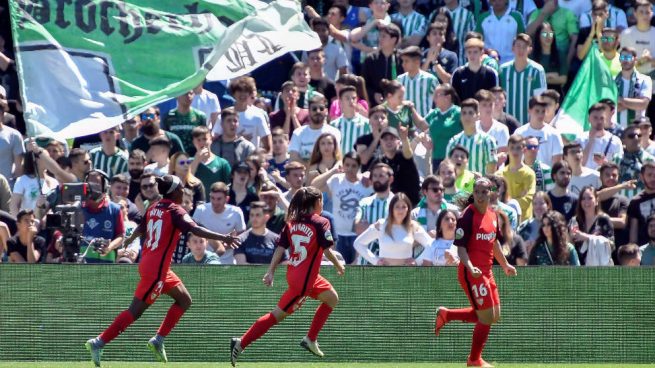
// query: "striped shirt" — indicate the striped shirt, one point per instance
point(463, 22)
point(370, 210)
point(111, 165)
point(413, 23)
point(543, 177)
point(499, 32)
point(419, 89)
point(351, 129)
point(638, 86)
point(630, 164)
point(481, 147)
point(520, 86)
point(616, 19)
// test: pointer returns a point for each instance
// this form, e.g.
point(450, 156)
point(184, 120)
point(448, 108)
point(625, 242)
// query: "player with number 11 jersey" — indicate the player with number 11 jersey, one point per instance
point(164, 223)
point(307, 237)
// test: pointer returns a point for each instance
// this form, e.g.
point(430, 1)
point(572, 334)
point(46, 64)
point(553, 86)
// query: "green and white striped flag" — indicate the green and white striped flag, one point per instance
point(86, 66)
point(592, 84)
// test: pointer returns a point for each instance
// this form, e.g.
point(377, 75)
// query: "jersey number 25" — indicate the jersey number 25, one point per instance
point(299, 250)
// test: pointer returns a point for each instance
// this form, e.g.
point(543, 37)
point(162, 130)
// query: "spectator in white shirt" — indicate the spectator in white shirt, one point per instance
point(304, 138)
point(550, 142)
point(207, 102)
point(442, 251)
point(598, 144)
point(489, 125)
point(220, 217)
point(396, 234)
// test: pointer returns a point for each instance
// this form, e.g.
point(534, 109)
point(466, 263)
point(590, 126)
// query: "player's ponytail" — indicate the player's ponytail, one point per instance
point(303, 203)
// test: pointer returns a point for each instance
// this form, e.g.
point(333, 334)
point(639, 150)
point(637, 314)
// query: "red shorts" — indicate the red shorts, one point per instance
point(149, 289)
point(293, 298)
point(482, 292)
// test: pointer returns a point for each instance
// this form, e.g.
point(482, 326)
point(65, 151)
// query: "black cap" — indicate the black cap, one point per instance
point(241, 166)
point(390, 130)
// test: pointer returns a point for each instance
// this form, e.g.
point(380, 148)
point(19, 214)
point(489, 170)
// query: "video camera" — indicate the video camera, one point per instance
point(69, 218)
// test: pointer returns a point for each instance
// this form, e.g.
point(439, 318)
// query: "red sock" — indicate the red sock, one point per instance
point(174, 314)
point(122, 322)
point(258, 329)
point(322, 313)
point(480, 335)
point(464, 315)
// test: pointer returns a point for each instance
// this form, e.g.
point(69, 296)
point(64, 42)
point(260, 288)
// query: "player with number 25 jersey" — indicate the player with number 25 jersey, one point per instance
point(307, 237)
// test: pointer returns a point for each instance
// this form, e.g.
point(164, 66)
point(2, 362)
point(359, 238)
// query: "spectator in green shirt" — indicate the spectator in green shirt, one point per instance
point(564, 24)
point(443, 120)
point(206, 166)
point(183, 119)
point(199, 254)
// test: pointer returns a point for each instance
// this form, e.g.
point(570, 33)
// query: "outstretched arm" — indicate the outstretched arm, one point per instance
point(230, 241)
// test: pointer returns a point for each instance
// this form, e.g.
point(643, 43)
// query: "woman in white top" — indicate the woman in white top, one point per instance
point(442, 251)
point(30, 186)
point(396, 235)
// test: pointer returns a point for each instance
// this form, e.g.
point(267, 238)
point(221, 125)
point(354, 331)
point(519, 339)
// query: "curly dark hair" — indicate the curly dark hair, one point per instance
point(560, 238)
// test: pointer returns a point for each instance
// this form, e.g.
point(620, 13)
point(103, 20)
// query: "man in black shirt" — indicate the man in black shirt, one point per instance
point(382, 64)
point(470, 78)
point(257, 244)
point(563, 201)
point(368, 145)
point(401, 161)
point(642, 205)
point(26, 246)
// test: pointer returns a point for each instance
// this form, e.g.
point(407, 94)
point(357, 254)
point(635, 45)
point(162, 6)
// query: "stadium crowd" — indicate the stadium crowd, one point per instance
point(393, 119)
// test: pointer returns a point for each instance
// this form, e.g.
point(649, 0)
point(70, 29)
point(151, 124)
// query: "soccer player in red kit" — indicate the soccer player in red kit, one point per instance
point(307, 236)
point(164, 222)
point(478, 239)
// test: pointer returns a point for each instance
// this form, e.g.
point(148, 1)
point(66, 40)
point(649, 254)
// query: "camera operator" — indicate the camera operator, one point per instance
point(25, 246)
point(102, 219)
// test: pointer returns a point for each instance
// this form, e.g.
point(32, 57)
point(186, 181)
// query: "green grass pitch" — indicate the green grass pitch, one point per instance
point(300, 365)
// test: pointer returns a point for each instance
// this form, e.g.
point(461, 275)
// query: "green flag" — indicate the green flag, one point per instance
point(593, 83)
point(87, 65)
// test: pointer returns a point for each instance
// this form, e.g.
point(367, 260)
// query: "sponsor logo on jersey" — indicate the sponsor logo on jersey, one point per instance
point(459, 233)
point(486, 236)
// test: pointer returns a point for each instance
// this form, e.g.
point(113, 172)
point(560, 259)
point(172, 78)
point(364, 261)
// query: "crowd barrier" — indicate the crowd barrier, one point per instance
point(549, 314)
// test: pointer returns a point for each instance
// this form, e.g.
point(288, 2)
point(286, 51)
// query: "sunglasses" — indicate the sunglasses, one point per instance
point(634, 135)
point(532, 147)
point(626, 58)
point(608, 39)
point(436, 189)
point(547, 34)
point(147, 116)
point(147, 186)
point(185, 162)
point(318, 108)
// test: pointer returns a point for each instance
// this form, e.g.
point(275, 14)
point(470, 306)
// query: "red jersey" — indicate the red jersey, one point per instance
point(478, 232)
point(305, 241)
point(163, 225)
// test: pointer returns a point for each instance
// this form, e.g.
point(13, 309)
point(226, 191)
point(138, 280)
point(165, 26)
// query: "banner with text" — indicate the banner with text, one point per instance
point(87, 65)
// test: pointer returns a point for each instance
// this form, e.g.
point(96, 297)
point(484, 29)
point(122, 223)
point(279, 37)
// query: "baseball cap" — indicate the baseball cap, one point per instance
point(390, 130)
point(644, 120)
point(241, 166)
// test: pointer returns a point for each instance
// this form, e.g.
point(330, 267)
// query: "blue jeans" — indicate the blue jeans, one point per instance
point(345, 247)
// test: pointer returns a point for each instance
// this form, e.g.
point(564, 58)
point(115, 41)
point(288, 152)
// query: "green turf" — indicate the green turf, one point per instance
point(299, 365)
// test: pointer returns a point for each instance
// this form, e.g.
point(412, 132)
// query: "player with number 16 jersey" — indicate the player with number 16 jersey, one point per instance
point(478, 239)
point(164, 223)
point(307, 237)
